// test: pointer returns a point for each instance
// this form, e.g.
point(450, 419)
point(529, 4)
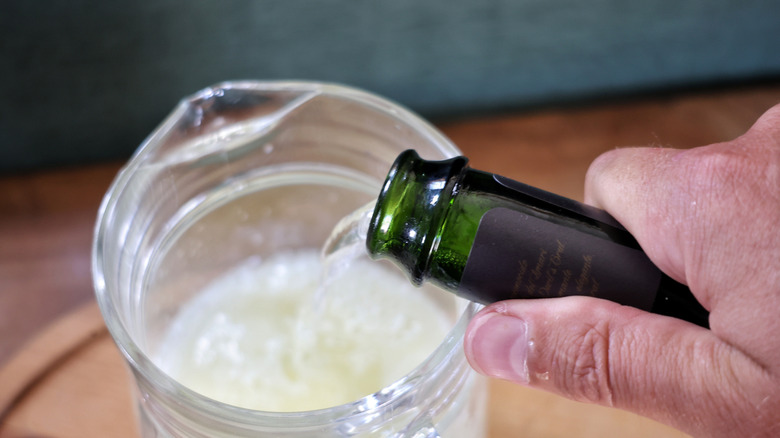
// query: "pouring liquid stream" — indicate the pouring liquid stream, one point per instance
point(343, 247)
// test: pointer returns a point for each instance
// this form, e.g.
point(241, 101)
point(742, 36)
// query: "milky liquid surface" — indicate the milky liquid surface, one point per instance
point(258, 338)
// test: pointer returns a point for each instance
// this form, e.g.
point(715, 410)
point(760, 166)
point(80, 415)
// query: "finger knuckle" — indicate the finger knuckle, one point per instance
point(714, 169)
point(769, 125)
point(728, 169)
point(585, 366)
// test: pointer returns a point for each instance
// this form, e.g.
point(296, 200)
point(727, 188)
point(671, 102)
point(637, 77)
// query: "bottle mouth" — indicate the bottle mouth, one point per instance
point(391, 200)
point(410, 209)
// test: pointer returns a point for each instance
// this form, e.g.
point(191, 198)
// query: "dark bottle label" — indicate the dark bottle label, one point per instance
point(515, 255)
point(571, 205)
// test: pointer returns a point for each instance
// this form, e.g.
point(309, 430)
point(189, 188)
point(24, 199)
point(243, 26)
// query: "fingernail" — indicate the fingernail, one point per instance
point(497, 346)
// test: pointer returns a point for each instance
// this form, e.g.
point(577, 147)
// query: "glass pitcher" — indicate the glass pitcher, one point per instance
point(243, 169)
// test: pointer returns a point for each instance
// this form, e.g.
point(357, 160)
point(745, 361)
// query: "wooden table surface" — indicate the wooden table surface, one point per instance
point(46, 220)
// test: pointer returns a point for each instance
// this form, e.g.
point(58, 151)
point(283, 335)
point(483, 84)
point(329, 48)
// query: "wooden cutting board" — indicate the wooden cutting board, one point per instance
point(70, 381)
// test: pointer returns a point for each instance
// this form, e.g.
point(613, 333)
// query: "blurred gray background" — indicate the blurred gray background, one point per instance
point(85, 81)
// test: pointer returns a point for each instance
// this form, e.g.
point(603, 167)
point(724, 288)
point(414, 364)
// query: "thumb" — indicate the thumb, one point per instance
point(600, 352)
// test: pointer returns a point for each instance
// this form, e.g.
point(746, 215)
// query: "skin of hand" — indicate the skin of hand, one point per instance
point(708, 217)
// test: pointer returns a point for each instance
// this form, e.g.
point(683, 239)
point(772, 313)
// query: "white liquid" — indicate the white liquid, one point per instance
point(254, 339)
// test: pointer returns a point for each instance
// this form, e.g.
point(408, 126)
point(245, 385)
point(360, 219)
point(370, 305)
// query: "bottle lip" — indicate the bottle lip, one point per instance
point(402, 165)
point(409, 169)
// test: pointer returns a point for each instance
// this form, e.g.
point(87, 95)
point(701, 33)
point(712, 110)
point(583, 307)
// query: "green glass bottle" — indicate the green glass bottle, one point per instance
point(488, 238)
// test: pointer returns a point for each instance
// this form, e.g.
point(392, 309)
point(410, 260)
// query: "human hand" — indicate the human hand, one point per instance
point(708, 217)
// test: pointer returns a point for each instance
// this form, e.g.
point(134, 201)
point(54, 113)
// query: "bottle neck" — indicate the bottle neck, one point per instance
point(410, 210)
